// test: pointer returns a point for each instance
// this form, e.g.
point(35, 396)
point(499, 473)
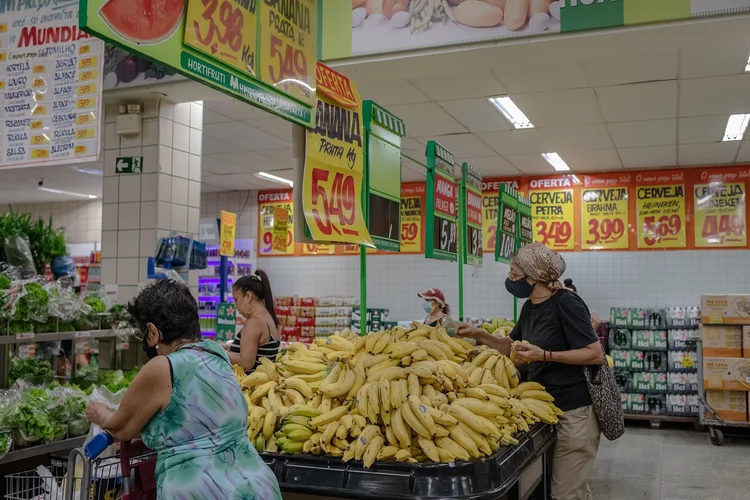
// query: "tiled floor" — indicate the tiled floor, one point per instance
point(665, 464)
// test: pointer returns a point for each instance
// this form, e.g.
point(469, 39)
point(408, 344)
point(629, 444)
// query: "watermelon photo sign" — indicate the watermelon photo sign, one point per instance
point(263, 52)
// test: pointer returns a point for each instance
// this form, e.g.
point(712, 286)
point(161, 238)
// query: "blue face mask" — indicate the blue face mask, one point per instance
point(427, 307)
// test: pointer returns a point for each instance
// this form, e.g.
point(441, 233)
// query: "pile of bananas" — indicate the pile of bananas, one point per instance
point(403, 395)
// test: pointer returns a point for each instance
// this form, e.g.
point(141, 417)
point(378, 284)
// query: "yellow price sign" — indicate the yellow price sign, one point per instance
point(80, 150)
point(38, 68)
point(38, 82)
point(225, 30)
point(3, 27)
point(84, 133)
point(227, 232)
point(85, 119)
point(36, 125)
point(315, 249)
point(38, 97)
point(719, 214)
point(39, 110)
point(288, 51)
point(412, 216)
point(2, 56)
point(84, 76)
point(84, 49)
point(268, 203)
point(2, 84)
point(553, 213)
point(39, 139)
point(661, 216)
point(40, 153)
point(86, 102)
point(604, 214)
point(89, 88)
point(280, 229)
point(87, 62)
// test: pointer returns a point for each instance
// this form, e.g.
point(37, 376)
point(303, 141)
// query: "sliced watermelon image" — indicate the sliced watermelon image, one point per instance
point(143, 21)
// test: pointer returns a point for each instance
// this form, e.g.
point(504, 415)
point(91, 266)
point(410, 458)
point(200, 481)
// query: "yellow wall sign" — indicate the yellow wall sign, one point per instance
point(334, 165)
point(719, 215)
point(660, 209)
point(288, 46)
point(224, 30)
point(227, 232)
point(553, 212)
point(604, 217)
point(280, 229)
point(268, 203)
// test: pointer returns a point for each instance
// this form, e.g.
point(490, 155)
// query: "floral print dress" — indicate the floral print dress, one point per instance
point(203, 451)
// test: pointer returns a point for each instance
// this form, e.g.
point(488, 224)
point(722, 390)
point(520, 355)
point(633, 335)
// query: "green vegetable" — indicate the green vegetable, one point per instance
point(32, 369)
point(18, 326)
point(4, 282)
point(117, 308)
point(4, 443)
point(34, 302)
point(96, 304)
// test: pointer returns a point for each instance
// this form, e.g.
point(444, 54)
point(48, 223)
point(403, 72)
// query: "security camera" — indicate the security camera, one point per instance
point(41, 183)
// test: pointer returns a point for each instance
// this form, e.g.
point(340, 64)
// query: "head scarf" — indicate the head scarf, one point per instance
point(541, 264)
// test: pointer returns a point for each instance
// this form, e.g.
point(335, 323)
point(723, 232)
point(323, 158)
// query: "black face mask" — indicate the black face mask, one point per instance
point(151, 352)
point(519, 288)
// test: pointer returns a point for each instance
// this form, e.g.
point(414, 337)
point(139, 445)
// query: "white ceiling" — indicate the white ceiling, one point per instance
point(605, 101)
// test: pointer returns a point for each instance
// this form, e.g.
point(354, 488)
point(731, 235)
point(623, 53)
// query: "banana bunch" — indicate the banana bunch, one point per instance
point(498, 326)
point(408, 395)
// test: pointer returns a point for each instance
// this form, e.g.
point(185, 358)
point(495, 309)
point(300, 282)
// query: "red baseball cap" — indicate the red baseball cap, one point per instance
point(433, 294)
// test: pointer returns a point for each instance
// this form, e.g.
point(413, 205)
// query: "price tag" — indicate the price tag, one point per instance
point(268, 201)
point(474, 245)
point(25, 336)
point(553, 212)
point(227, 233)
point(412, 203)
point(84, 133)
point(81, 335)
point(720, 215)
point(605, 218)
point(87, 62)
point(661, 216)
point(224, 30)
point(288, 50)
point(27, 351)
point(280, 229)
point(445, 235)
point(122, 346)
point(85, 76)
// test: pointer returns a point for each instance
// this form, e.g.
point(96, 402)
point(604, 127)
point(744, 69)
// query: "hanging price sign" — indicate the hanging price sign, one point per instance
point(334, 166)
point(604, 212)
point(719, 210)
point(268, 203)
point(315, 249)
point(227, 233)
point(525, 222)
point(442, 192)
point(471, 189)
point(288, 46)
point(224, 30)
point(660, 208)
point(507, 224)
point(553, 209)
point(280, 229)
point(412, 202)
point(490, 200)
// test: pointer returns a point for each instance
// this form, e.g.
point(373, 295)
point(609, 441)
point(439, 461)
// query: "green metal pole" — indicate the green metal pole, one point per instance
point(363, 289)
point(462, 245)
point(515, 309)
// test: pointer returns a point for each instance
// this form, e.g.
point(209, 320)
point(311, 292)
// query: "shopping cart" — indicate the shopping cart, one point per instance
point(129, 475)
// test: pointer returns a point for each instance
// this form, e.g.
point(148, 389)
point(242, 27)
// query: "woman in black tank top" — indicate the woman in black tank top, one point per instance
point(261, 336)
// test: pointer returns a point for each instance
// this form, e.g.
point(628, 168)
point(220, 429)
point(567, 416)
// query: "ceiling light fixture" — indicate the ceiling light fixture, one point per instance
point(747, 66)
point(510, 111)
point(89, 171)
point(68, 193)
point(556, 162)
point(274, 178)
point(736, 126)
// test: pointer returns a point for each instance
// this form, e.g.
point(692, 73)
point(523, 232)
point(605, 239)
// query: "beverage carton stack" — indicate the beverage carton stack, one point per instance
point(304, 318)
point(655, 358)
point(725, 335)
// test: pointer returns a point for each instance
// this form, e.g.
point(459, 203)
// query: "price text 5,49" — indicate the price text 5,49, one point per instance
point(334, 199)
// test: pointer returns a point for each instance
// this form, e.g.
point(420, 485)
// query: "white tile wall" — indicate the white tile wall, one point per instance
point(604, 280)
point(82, 220)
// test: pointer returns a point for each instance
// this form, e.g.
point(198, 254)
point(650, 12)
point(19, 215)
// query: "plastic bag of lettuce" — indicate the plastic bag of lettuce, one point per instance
point(29, 418)
point(71, 410)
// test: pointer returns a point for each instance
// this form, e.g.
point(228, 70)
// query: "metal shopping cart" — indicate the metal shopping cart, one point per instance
point(129, 475)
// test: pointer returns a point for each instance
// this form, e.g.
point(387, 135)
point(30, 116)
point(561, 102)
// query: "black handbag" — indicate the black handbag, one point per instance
point(606, 400)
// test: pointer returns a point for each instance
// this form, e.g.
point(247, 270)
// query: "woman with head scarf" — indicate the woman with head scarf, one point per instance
point(554, 339)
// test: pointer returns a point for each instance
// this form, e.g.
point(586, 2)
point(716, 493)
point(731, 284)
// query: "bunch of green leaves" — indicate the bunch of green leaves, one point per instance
point(18, 326)
point(4, 443)
point(96, 304)
point(4, 282)
point(46, 242)
point(32, 369)
point(87, 376)
point(32, 303)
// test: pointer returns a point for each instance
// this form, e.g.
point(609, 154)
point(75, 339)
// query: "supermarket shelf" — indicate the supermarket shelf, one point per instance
point(53, 337)
point(42, 449)
point(656, 420)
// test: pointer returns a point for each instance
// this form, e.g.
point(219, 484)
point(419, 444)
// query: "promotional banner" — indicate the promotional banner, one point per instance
point(226, 321)
point(490, 191)
point(400, 25)
point(262, 52)
point(472, 198)
point(280, 229)
point(507, 240)
point(334, 166)
point(719, 209)
point(50, 84)
point(441, 233)
point(227, 232)
point(268, 202)
point(412, 221)
point(604, 212)
point(553, 211)
point(660, 209)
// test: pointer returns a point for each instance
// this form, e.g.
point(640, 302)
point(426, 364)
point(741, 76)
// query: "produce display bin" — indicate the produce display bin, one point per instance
point(496, 477)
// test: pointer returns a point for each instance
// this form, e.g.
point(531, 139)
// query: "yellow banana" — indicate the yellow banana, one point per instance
point(328, 417)
point(421, 412)
point(387, 453)
point(402, 455)
point(372, 339)
point(464, 440)
point(538, 395)
point(371, 453)
point(330, 431)
point(361, 400)
point(491, 361)
point(414, 422)
point(528, 386)
point(495, 390)
point(295, 397)
point(429, 449)
point(440, 417)
point(382, 343)
point(478, 439)
point(453, 448)
point(373, 402)
point(414, 388)
point(400, 430)
point(390, 436)
point(511, 372)
point(359, 380)
point(385, 400)
point(255, 378)
point(262, 390)
point(463, 415)
point(342, 386)
point(364, 440)
point(299, 385)
point(304, 367)
point(477, 393)
point(481, 408)
point(475, 378)
point(398, 350)
point(269, 425)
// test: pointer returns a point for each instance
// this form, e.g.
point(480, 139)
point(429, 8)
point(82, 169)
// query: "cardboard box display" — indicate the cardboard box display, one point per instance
point(725, 309)
point(728, 405)
point(729, 374)
point(746, 342)
point(722, 341)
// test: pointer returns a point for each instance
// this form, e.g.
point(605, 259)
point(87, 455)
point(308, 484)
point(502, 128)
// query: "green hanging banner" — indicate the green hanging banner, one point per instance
point(507, 240)
point(471, 192)
point(441, 228)
point(525, 235)
point(384, 133)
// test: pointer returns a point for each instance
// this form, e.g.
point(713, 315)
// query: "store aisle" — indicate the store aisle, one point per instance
point(648, 464)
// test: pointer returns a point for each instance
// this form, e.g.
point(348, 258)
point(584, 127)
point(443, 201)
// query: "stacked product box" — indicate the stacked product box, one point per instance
point(334, 314)
point(725, 335)
point(303, 319)
point(655, 357)
point(375, 321)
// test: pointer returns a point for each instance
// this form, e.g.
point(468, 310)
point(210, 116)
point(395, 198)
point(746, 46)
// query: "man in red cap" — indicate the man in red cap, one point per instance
point(435, 306)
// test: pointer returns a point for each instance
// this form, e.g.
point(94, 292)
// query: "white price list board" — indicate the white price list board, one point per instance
point(50, 85)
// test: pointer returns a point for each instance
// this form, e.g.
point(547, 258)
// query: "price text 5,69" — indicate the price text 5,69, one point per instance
point(336, 199)
point(666, 228)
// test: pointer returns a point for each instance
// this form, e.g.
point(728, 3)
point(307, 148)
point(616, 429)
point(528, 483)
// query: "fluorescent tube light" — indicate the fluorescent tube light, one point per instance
point(747, 66)
point(556, 162)
point(68, 193)
point(89, 171)
point(510, 111)
point(736, 126)
point(274, 178)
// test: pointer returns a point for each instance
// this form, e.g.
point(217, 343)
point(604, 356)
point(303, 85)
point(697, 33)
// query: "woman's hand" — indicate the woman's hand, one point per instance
point(472, 332)
point(526, 353)
point(96, 413)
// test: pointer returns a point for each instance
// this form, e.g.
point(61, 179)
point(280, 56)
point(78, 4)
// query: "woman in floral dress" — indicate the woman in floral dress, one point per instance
point(187, 406)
